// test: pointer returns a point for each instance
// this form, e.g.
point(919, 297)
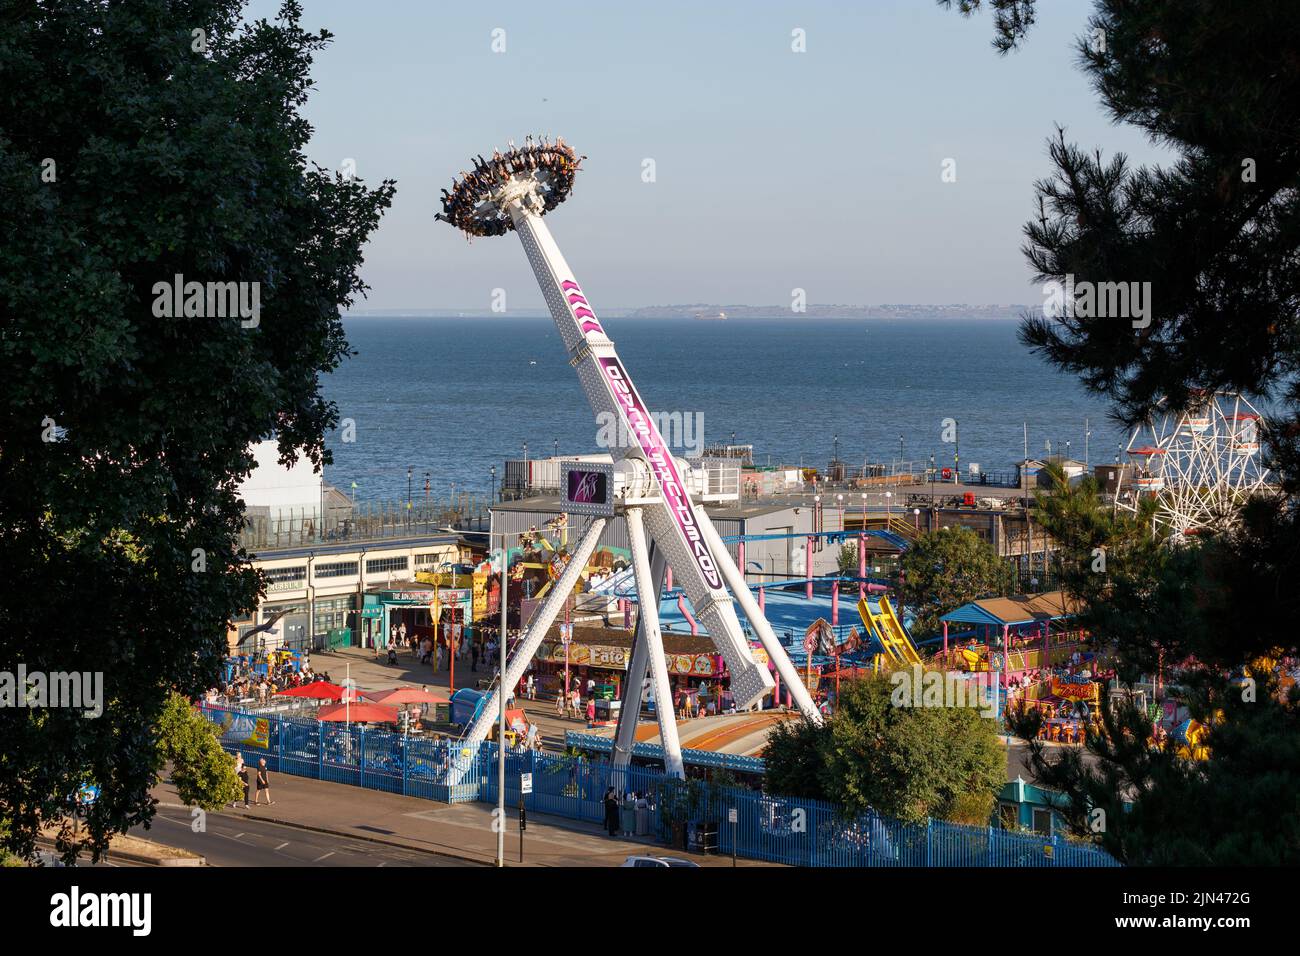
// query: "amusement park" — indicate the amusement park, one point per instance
point(679, 616)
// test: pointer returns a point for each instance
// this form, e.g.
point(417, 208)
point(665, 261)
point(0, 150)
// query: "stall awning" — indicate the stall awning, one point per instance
point(1016, 610)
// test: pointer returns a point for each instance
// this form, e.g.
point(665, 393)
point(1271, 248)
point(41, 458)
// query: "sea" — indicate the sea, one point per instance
point(448, 398)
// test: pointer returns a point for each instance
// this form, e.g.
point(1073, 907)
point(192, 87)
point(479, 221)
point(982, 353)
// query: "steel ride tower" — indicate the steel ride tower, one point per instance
point(650, 488)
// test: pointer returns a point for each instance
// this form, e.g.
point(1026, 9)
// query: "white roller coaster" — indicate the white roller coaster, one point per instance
point(1199, 464)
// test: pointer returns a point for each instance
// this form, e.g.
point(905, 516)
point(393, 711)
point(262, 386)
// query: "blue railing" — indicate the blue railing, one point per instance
point(798, 832)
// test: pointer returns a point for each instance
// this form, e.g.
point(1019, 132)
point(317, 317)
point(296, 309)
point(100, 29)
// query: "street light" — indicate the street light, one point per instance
point(501, 690)
point(408, 495)
point(956, 452)
point(493, 469)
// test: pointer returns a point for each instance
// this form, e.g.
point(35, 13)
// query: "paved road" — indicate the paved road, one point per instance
point(239, 841)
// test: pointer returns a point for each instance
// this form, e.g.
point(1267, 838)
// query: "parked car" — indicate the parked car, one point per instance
point(658, 861)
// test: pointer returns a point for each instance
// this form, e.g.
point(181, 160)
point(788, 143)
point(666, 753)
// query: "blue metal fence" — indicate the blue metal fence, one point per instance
point(770, 828)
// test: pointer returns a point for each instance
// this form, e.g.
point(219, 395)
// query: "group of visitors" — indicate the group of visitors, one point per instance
point(628, 816)
point(552, 164)
point(244, 684)
point(262, 780)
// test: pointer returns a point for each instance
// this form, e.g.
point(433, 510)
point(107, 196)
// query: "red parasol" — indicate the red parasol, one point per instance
point(405, 695)
point(358, 713)
point(318, 690)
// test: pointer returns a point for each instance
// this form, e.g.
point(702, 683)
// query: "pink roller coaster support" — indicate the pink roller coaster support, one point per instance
point(808, 569)
point(681, 606)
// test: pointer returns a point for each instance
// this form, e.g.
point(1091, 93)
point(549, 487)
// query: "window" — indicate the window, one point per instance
point(1009, 815)
point(1042, 821)
point(431, 557)
point(332, 613)
point(336, 569)
point(286, 575)
point(382, 565)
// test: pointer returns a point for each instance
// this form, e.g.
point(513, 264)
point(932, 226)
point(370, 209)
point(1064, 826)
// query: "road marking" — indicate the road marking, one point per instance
point(282, 845)
point(325, 857)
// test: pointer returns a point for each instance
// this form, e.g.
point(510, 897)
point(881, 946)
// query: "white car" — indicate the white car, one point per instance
point(658, 861)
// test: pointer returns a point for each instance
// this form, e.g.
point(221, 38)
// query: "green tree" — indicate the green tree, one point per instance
point(794, 760)
point(909, 762)
point(945, 569)
point(140, 142)
point(204, 774)
point(847, 559)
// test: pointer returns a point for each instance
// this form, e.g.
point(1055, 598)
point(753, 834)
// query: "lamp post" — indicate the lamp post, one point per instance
point(493, 471)
point(408, 496)
point(428, 485)
point(956, 452)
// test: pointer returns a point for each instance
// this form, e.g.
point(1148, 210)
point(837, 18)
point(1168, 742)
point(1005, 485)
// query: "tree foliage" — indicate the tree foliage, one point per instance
point(133, 151)
point(945, 569)
point(204, 774)
point(903, 761)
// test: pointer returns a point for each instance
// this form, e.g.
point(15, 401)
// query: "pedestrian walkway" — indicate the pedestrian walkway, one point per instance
point(461, 830)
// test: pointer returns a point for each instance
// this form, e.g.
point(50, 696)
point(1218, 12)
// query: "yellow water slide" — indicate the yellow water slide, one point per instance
point(889, 631)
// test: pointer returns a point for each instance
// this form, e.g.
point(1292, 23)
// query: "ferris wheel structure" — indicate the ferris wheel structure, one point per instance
point(1199, 464)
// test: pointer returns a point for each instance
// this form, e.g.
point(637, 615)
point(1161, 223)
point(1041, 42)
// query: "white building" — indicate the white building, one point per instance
point(285, 498)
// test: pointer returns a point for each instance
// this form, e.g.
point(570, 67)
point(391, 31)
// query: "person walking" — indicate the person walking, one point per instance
point(611, 812)
point(401, 634)
point(263, 783)
point(474, 658)
point(242, 773)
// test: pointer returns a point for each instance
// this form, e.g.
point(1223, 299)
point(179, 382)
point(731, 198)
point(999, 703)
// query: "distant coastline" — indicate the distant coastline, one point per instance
point(692, 310)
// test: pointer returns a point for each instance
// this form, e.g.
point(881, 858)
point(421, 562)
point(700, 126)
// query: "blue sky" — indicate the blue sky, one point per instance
point(774, 170)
